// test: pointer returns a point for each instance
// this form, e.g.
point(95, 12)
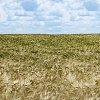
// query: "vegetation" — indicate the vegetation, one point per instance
point(50, 67)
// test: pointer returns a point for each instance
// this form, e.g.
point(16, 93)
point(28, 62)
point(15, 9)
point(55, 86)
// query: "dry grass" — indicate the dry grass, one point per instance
point(50, 67)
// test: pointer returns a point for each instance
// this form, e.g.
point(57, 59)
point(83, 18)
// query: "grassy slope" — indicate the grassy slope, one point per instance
point(50, 67)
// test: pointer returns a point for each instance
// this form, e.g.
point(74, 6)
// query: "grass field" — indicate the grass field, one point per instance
point(50, 67)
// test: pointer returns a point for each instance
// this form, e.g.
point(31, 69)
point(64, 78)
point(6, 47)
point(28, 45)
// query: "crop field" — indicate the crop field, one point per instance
point(50, 67)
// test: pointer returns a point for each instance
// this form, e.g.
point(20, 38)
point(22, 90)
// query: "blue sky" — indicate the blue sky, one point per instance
point(50, 16)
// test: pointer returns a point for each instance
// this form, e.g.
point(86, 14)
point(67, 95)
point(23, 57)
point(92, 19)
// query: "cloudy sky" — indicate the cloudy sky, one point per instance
point(49, 16)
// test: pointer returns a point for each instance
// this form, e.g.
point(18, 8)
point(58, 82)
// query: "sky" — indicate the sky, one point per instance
point(49, 16)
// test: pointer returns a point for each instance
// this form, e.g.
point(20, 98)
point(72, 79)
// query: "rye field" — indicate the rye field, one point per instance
point(50, 67)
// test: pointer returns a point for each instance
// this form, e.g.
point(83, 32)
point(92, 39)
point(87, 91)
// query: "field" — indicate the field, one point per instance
point(50, 67)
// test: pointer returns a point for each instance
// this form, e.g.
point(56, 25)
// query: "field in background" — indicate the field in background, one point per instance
point(50, 67)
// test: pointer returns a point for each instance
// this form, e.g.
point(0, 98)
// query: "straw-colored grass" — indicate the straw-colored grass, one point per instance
point(50, 67)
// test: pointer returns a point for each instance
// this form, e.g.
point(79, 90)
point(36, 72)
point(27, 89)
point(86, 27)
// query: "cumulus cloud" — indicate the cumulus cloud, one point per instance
point(3, 15)
point(49, 16)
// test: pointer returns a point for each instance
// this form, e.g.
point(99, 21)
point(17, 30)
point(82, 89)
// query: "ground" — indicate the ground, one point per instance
point(50, 67)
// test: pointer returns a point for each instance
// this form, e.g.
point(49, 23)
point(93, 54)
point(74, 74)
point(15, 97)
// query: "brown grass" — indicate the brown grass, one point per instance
point(50, 67)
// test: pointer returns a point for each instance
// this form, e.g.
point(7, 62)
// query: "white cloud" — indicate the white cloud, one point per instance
point(3, 15)
point(62, 14)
